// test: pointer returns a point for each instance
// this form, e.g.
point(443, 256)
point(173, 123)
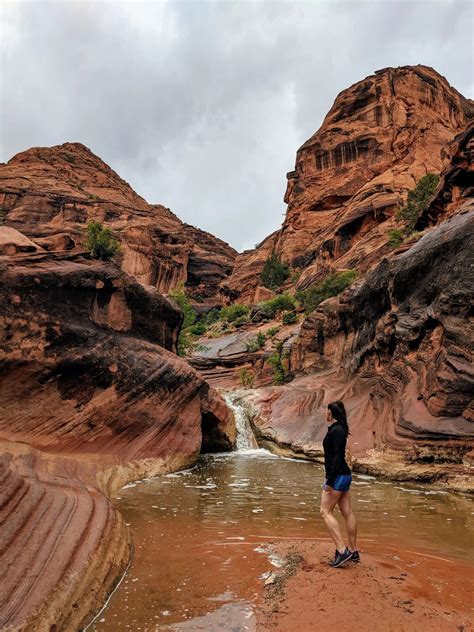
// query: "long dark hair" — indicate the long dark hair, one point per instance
point(339, 413)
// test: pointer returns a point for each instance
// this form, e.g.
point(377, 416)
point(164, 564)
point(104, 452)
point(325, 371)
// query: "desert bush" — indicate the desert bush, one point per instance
point(247, 377)
point(333, 285)
point(274, 272)
point(396, 236)
point(272, 331)
point(100, 242)
point(277, 304)
point(417, 201)
point(232, 312)
point(255, 344)
point(289, 318)
point(278, 362)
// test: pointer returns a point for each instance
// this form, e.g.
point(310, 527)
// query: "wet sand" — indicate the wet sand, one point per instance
point(391, 590)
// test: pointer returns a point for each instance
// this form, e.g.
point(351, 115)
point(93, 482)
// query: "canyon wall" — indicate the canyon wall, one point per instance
point(380, 136)
point(92, 396)
point(51, 193)
point(397, 347)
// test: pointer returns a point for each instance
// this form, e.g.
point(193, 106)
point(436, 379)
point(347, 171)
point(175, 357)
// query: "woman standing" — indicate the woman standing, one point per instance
point(337, 484)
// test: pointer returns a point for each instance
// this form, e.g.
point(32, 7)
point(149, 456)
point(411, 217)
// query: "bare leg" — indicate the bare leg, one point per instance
point(351, 525)
point(329, 499)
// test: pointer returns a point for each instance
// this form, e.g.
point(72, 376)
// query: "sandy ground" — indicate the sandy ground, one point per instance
point(390, 590)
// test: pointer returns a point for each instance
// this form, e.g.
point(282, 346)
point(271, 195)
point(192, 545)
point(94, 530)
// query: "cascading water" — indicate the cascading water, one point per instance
point(245, 440)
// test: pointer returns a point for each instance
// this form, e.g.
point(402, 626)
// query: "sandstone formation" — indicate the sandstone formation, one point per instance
point(380, 136)
point(222, 359)
point(51, 193)
point(92, 396)
point(397, 347)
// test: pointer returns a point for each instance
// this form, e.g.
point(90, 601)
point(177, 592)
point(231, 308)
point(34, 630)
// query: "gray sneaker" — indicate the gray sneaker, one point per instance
point(355, 557)
point(341, 558)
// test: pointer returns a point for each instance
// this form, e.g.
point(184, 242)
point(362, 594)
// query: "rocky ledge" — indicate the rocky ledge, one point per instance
point(92, 396)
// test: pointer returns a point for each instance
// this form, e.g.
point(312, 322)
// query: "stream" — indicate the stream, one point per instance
point(201, 536)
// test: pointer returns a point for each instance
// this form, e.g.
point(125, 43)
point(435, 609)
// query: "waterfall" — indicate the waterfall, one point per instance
point(245, 440)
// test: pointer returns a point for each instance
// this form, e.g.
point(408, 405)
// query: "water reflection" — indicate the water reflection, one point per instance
point(199, 535)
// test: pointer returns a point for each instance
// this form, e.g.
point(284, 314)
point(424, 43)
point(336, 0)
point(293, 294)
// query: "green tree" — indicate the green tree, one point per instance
point(100, 242)
point(417, 201)
point(274, 272)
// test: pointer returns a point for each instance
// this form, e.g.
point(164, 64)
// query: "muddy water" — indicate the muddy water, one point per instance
point(200, 536)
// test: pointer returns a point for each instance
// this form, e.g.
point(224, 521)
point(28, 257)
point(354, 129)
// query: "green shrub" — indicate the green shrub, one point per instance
point(278, 362)
point(255, 344)
point(296, 275)
point(186, 340)
point(211, 317)
point(274, 272)
point(273, 331)
point(246, 377)
point(417, 201)
point(240, 320)
point(69, 157)
point(277, 304)
point(100, 242)
point(199, 329)
point(396, 236)
point(289, 318)
point(333, 285)
point(232, 312)
point(189, 313)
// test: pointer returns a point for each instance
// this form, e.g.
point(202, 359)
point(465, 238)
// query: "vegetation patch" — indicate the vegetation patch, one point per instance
point(289, 318)
point(100, 242)
point(408, 214)
point(255, 344)
point(187, 342)
point(333, 285)
point(279, 363)
point(274, 273)
point(231, 313)
point(277, 304)
point(247, 377)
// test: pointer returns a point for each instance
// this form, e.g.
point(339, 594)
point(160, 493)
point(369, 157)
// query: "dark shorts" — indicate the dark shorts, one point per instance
point(342, 483)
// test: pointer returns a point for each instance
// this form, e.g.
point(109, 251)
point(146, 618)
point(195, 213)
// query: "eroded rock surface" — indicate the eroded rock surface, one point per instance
point(51, 193)
point(397, 347)
point(91, 396)
point(381, 135)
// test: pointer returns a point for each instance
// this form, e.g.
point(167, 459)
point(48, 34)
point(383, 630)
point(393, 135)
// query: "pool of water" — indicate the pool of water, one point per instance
point(200, 536)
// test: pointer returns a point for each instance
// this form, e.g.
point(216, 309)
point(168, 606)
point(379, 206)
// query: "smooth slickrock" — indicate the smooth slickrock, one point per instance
point(91, 397)
point(380, 136)
point(51, 193)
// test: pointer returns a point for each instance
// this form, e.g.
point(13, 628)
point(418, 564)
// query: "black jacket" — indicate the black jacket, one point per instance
point(334, 445)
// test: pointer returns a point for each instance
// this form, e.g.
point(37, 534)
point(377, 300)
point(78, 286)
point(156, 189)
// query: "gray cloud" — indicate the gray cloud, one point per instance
point(202, 105)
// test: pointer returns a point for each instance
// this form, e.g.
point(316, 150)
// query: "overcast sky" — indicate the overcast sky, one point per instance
point(201, 106)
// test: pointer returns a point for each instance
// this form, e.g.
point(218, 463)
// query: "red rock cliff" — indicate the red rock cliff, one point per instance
point(91, 396)
point(50, 193)
point(380, 136)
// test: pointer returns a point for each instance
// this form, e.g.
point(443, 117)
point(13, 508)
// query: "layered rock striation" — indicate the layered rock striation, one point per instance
point(92, 395)
point(380, 136)
point(397, 347)
point(51, 193)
